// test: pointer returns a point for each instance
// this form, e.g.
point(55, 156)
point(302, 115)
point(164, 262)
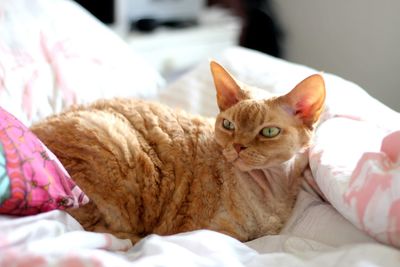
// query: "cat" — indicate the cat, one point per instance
point(148, 168)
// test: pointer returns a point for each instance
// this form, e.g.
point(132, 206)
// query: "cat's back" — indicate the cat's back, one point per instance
point(125, 127)
point(135, 159)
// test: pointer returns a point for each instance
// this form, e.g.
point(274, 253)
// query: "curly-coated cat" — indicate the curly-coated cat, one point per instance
point(148, 168)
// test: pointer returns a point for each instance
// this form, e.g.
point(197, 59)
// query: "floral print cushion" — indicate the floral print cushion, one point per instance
point(32, 180)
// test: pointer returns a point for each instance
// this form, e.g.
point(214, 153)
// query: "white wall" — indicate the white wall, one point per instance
point(356, 39)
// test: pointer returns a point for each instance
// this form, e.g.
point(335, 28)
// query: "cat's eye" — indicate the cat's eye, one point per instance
point(228, 125)
point(270, 132)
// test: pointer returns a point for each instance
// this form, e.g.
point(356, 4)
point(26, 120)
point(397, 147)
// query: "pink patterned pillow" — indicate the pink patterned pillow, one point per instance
point(32, 180)
point(356, 165)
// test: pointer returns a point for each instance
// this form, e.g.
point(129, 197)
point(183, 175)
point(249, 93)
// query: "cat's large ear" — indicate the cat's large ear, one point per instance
point(306, 100)
point(228, 91)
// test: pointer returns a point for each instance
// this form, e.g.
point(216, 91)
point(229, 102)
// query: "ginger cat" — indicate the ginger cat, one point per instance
point(150, 169)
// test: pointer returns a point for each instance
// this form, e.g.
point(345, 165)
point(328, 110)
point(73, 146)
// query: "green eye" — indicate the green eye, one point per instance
point(228, 125)
point(270, 132)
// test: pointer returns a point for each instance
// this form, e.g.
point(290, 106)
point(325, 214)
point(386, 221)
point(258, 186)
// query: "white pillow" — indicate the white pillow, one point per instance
point(53, 53)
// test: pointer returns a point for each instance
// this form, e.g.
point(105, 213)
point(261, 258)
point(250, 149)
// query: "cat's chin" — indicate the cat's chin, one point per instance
point(242, 166)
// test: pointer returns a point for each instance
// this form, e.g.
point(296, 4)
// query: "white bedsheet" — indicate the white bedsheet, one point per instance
point(56, 239)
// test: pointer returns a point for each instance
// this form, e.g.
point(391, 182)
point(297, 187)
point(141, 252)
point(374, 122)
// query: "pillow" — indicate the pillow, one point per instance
point(32, 180)
point(195, 91)
point(53, 53)
point(357, 167)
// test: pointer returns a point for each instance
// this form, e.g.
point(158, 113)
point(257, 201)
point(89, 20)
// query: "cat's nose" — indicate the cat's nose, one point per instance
point(239, 147)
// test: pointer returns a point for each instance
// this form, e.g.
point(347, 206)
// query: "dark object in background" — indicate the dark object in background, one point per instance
point(260, 29)
point(260, 32)
point(149, 24)
point(103, 10)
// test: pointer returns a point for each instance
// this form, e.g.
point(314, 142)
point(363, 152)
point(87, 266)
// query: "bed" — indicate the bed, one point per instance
point(347, 213)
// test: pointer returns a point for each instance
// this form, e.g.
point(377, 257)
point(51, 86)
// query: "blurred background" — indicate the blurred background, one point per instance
point(357, 40)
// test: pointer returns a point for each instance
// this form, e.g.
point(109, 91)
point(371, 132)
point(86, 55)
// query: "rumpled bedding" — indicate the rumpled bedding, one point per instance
point(348, 213)
point(341, 219)
point(56, 239)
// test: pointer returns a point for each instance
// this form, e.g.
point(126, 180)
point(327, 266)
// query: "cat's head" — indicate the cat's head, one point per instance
point(257, 133)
